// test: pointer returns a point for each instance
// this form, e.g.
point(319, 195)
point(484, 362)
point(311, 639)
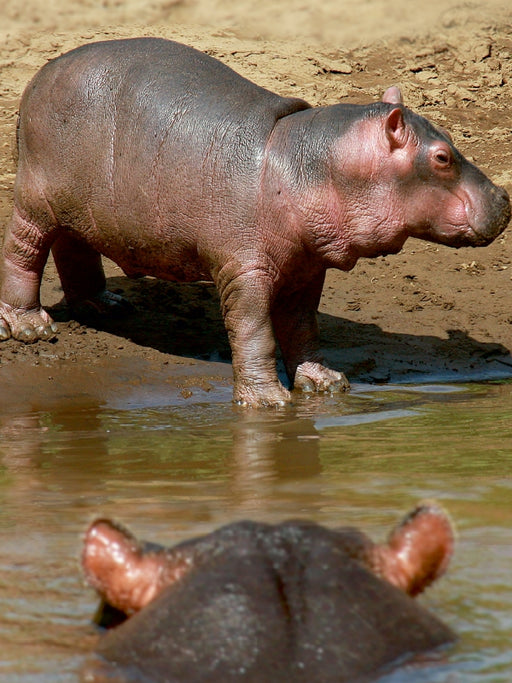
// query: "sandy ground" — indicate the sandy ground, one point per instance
point(425, 313)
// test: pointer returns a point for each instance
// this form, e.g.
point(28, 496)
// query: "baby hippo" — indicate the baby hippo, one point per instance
point(256, 603)
point(172, 165)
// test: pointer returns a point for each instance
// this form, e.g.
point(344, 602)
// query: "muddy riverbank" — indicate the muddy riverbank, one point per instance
point(427, 311)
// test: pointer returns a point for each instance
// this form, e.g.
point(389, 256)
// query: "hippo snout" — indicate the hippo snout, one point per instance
point(502, 199)
point(490, 221)
point(498, 216)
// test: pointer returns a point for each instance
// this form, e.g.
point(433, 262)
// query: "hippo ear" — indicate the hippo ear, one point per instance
point(396, 131)
point(419, 549)
point(127, 574)
point(393, 95)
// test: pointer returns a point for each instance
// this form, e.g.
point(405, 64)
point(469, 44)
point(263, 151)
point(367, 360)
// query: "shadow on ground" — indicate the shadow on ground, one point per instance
point(184, 320)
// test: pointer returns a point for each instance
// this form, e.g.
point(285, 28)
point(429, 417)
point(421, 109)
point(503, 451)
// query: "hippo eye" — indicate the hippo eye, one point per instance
point(443, 158)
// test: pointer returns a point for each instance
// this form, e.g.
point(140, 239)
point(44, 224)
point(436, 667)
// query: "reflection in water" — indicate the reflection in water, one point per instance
point(181, 470)
point(266, 449)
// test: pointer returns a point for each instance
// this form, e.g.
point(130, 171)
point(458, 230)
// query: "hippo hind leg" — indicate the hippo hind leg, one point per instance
point(83, 280)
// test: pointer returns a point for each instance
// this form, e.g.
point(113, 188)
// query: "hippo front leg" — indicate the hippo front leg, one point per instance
point(295, 324)
point(25, 250)
point(245, 302)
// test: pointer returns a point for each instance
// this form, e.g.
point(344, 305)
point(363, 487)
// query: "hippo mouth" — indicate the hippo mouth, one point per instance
point(475, 223)
point(486, 223)
point(463, 218)
point(482, 240)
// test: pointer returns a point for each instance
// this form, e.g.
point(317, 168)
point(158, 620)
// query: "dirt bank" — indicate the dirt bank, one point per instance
point(428, 311)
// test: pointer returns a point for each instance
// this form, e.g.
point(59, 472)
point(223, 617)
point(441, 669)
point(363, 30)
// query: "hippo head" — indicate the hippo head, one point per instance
point(444, 197)
point(254, 602)
point(377, 174)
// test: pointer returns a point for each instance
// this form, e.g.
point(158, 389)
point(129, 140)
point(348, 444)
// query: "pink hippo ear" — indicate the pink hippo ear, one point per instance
point(126, 575)
point(396, 131)
point(393, 95)
point(418, 550)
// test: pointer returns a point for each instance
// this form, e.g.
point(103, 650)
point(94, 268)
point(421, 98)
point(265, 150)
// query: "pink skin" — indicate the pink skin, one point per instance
point(126, 576)
point(416, 554)
point(418, 550)
point(386, 152)
point(265, 196)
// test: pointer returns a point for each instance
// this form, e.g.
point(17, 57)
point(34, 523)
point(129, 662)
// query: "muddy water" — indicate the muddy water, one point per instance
point(173, 467)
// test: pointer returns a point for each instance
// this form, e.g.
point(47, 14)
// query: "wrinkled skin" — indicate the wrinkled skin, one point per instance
point(172, 165)
point(254, 603)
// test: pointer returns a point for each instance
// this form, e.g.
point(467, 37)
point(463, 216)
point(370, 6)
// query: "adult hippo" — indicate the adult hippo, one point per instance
point(254, 603)
point(169, 163)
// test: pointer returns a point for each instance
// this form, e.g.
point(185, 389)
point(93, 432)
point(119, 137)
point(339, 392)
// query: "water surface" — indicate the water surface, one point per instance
point(172, 470)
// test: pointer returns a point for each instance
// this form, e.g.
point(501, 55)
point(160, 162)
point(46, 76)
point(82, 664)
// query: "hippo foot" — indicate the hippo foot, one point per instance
point(311, 377)
point(25, 325)
point(267, 396)
point(105, 304)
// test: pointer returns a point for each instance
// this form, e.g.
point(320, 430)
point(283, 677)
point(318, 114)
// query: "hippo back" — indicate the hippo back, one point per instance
point(144, 131)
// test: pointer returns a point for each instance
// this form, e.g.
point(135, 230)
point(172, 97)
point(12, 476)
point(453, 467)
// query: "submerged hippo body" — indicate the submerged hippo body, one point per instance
point(253, 603)
point(171, 164)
